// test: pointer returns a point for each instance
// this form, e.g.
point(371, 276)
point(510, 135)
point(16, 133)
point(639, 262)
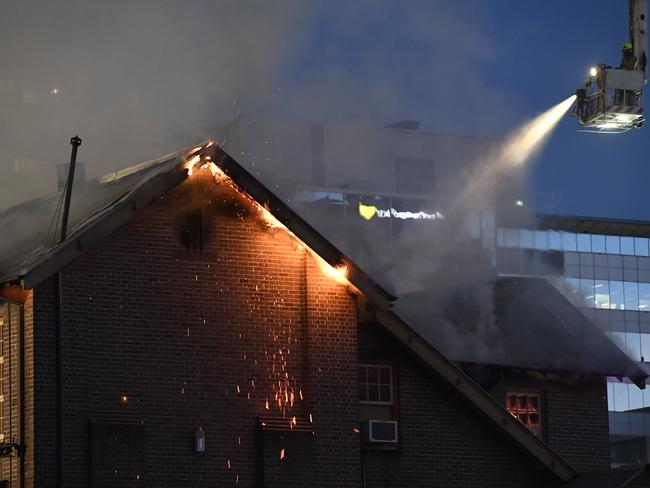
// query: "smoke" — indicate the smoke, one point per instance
point(447, 253)
point(138, 79)
point(518, 148)
point(133, 79)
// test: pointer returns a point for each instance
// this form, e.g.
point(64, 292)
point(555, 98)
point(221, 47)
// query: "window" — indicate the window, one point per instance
point(627, 246)
point(525, 238)
point(569, 241)
point(598, 243)
point(375, 384)
point(640, 246)
point(541, 240)
point(584, 243)
point(555, 240)
point(525, 407)
point(613, 245)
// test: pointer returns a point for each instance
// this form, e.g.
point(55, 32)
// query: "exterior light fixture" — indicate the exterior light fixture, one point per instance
point(519, 203)
point(593, 71)
point(199, 440)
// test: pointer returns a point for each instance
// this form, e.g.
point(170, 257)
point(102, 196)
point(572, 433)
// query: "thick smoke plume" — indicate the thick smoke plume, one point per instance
point(134, 79)
point(448, 253)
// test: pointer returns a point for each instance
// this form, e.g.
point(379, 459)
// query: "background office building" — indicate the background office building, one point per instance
point(332, 174)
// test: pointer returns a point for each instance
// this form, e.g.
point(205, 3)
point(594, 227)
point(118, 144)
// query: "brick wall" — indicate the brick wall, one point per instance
point(160, 340)
point(44, 366)
point(443, 441)
point(574, 417)
point(9, 406)
point(13, 316)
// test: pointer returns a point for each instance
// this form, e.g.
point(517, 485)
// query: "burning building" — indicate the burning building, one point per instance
point(191, 330)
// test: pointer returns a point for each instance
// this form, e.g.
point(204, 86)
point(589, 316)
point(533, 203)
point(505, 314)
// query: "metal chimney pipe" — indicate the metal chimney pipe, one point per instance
point(76, 142)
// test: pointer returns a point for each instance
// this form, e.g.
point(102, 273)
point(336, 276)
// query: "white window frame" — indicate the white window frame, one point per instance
point(390, 379)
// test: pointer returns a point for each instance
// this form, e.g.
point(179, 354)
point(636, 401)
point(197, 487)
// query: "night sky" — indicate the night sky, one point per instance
point(138, 79)
point(480, 68)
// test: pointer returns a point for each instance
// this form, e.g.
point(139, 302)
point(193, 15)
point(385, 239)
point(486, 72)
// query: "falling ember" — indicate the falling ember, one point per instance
point(267, 404)
point(300, 393)
point(282, 454)
point(238, 390)
point(228, 463)
point(355, 430)
point(311, 419)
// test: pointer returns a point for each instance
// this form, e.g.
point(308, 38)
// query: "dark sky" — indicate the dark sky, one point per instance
point(138, 79)
point(499, 63)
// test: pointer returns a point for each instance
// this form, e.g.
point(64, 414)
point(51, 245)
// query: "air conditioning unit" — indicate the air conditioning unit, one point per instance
point(380, 431)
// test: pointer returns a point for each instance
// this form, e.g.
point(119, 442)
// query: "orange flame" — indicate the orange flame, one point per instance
point(338, 273)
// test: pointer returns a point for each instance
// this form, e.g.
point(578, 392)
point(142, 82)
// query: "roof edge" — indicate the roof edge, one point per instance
point(468, 389)
point(298, 226)
point(74, 245)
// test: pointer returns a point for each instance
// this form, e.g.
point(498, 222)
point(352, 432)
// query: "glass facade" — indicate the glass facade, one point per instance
point(570, 241)
point(609, 277)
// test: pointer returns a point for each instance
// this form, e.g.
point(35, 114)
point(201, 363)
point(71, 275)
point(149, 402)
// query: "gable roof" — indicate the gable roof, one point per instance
point(111, 201)
point(522, 322)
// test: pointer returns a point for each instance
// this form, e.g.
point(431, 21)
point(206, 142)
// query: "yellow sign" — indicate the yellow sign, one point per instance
point(367, 211)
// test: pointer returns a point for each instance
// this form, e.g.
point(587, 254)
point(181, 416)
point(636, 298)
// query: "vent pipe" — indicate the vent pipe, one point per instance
point(75, 142)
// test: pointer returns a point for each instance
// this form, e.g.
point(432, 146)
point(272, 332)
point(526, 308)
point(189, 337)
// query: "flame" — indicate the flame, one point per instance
point(338, 273)
point(282, 454)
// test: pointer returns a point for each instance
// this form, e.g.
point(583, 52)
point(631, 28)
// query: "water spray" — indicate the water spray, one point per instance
point(519, 147)
point(528, 139)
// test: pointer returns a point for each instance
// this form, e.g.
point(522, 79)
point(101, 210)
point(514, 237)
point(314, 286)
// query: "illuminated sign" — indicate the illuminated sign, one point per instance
point(370, 211)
